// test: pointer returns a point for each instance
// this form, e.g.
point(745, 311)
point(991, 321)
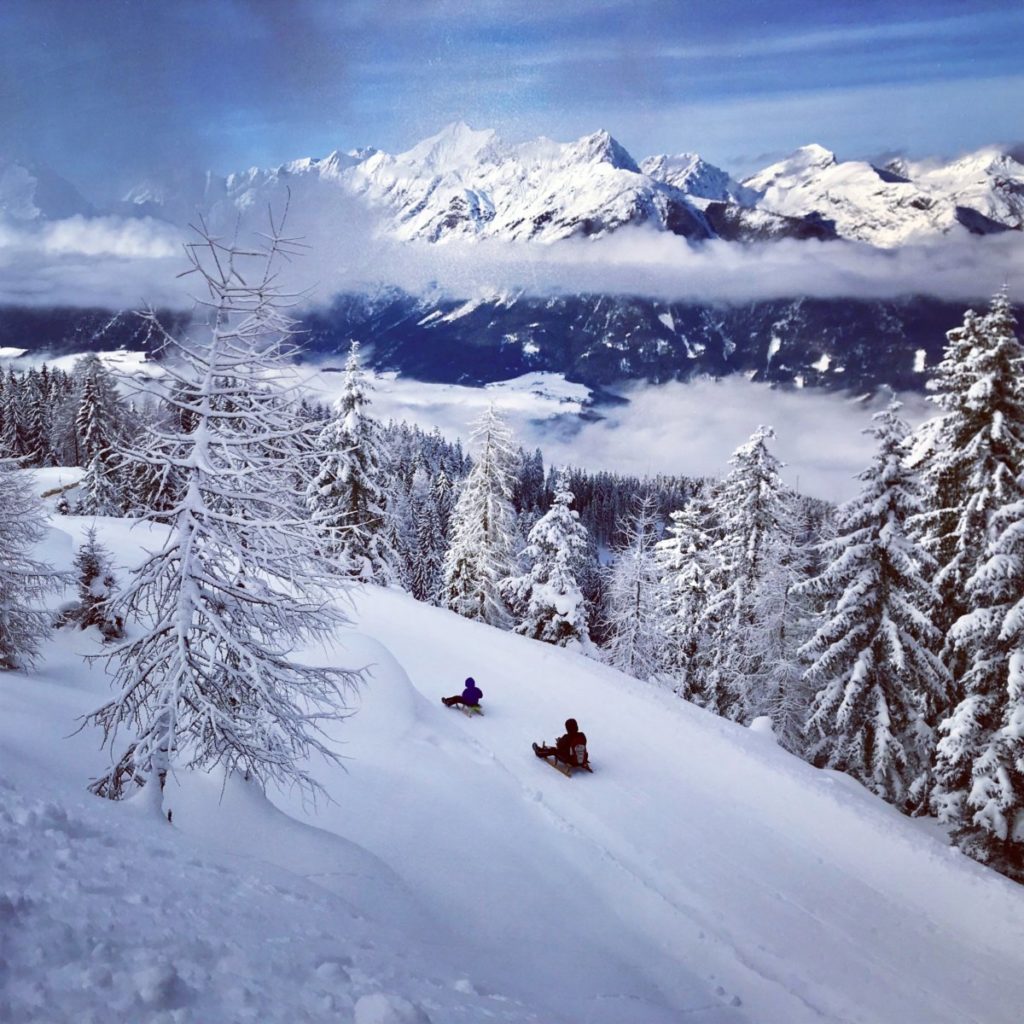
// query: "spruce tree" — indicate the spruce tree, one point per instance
point(99, 418)
point(631, 621)
point(482, 529)
point(752, 512)
point(12, 444)
point(971, 455)
point(428, 543)
point(347, 495)
point(443, 491)
point(101, 486)
point(547, 599)
point(38, 416)
point(96, 587)
point(683, 560)
point(980, 763)
point(874, 669)
point(24, 581)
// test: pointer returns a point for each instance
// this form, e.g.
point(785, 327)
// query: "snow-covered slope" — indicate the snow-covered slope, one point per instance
point(988, 181)
point(887, 207)
point(700, 874)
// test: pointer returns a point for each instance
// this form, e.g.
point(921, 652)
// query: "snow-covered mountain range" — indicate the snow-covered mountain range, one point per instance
point(468, 184)
point(464, 186)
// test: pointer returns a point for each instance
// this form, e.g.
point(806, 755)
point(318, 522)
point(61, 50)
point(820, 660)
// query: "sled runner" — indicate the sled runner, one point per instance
point(561, 766)
point(469, 710)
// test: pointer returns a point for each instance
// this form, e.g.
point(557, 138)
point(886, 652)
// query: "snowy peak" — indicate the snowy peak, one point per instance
point(455, 147)
point(332, 165)
point(601, 148)
point(805, 161)
point(696, 178)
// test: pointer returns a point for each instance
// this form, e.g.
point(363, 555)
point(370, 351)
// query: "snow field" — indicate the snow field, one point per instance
point(723, 861)
point(701, 874)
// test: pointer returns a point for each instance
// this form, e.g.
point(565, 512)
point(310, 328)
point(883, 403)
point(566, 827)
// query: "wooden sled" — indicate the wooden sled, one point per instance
point(560, 766)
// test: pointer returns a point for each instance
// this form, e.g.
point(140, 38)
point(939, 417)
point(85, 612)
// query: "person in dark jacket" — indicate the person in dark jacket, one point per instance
point(470, 696)
point(570, 749)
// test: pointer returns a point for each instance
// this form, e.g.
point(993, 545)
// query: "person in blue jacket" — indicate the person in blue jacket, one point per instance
point(470, 696)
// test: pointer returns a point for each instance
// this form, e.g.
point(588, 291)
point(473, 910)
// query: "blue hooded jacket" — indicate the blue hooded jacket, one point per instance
point(472, 693)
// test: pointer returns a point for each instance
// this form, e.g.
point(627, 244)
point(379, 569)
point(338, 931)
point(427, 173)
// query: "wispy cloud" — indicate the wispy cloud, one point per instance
point(103, 261)
point(118, 262)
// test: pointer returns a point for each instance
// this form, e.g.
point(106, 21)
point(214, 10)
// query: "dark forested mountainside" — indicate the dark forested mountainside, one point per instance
point(601, 340)
point(69, 330)
point(845, 344)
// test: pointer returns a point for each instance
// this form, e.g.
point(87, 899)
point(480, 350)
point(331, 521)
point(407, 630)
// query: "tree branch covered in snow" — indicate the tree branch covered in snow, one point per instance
point(213, 678)
point(24, 580)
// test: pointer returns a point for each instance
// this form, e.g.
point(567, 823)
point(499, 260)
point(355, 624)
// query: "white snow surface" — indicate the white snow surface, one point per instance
point(119, 360)
point(535, 396)
point(890, 209)
point(700, 874)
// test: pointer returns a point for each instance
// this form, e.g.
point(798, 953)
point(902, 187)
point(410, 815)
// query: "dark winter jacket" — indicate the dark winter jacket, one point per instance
point(572, 748)
point(472, 694)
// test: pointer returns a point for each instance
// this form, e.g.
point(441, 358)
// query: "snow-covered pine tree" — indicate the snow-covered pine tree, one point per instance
point(783, 622)
point(100, 414)
point(237, 588)
point(428, 540)
point(971, 455)
point(24, 581)
point(96, 587)
point(632, 597)
point(12, 444)
point(546, 600)
point(683, 560)
point(39, 416)
point(752, 512)
point(399, 535)
point(482, 531)
point(874, 668)
point(980, 763)
point(444, 498)
point(101, 486)
point(347, 494)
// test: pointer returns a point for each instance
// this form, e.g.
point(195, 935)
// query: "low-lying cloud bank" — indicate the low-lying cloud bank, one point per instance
point(663, 267)
point(111, 262)
point(689, 428)
point(681, 428)
point(123, 262)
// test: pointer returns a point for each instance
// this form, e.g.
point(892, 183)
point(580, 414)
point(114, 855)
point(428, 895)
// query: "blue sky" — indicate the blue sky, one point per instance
point(107, 92)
